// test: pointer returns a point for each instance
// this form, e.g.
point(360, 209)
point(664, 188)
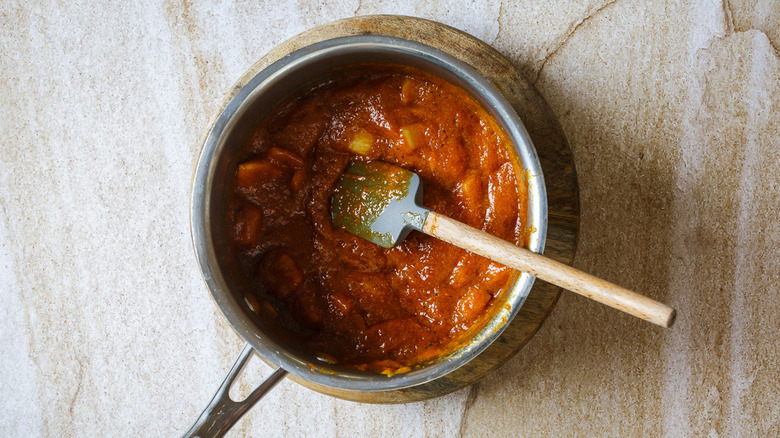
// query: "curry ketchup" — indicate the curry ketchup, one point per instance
point(343, 298)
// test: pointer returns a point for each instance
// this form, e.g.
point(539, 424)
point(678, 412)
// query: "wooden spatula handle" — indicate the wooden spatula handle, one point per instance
point(506, 253)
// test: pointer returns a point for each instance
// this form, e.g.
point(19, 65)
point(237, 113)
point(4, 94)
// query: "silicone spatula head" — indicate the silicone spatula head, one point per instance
point(379, 202)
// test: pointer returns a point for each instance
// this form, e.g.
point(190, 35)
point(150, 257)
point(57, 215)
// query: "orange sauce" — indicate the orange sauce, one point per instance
point(341, 297)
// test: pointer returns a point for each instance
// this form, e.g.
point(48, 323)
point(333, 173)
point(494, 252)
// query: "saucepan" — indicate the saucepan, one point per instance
point(219, 157)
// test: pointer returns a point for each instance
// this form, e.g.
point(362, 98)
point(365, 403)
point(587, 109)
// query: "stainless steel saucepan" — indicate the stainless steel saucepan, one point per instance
point(211, 188)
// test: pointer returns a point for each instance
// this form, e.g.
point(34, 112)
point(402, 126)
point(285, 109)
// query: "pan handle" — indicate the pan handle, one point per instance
point(222, 412)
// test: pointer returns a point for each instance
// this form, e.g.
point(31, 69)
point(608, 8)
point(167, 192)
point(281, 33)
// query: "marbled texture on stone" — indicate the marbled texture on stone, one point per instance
point(672, 110)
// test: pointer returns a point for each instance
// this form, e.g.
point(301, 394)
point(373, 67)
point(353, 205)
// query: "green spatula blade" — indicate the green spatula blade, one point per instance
point(379, 202)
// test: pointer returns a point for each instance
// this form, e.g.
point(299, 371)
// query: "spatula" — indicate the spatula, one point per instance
point(381, 202)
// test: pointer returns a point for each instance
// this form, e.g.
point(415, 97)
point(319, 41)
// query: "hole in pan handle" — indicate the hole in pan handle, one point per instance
point(222, 412)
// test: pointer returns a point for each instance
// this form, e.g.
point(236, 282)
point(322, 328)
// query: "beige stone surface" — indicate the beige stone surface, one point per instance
point(672, 110)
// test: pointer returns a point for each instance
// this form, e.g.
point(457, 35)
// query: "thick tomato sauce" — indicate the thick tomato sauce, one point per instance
point(343, 298)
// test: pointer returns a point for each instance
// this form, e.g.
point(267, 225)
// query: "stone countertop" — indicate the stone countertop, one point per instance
point(672, 111)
